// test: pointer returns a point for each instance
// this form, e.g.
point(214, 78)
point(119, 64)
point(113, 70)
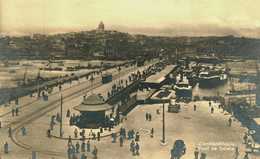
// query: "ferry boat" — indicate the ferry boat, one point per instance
point(183, 89)
point(191, 77)
point(212, 78)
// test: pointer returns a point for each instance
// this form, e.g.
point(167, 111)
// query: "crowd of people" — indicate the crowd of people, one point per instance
point(83, 150)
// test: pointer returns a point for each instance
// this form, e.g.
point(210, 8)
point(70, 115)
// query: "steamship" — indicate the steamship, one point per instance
point(212, 78)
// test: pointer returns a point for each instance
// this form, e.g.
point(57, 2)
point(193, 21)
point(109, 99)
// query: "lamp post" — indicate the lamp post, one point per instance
point(38, 87)
point(61, 107)
point(163, 141)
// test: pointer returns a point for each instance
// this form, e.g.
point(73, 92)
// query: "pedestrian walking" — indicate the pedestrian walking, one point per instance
point(212, 110)
point(132, 147)
point(150, 117)
point(194, 107)
point(83, 145)
point(124, 133)
point(76, 133)
point(0, 124)
point(69, 140)
point(94, 136)
point(152, 132)
point(23, 130)
point(68, 113)
point(196, 153)
point(121, 131)
point(129, 135)
point(6, 148)
point(77, 147)
point(121, 140)
point(95, 152)
point(137, 137)
point(9, 131)
point(146, 116)
point(88, 146)
point(16, 111)
point(71, 121)
point(90, 133)
point(49, 133)
point(137, 149)
point(82, 134)
point(230, 122)
point(98, 136)
point(113, 135)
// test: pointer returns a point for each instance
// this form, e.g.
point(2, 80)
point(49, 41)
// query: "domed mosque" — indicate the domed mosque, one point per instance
point(101, 26)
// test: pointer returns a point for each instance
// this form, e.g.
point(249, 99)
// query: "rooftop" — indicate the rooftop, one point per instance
point(93, 103)
point(160, 76)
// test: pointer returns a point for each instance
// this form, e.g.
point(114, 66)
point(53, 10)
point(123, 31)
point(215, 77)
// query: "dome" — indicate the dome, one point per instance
point(101, 26)
point(93, 99)
point(94, 102)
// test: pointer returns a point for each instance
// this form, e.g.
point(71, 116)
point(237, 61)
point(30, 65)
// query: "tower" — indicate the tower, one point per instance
point(101, 26)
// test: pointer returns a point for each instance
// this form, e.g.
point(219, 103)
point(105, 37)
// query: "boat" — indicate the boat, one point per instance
point(210, 59)
point(191, 76)
point(212, 78)
point(183, 89)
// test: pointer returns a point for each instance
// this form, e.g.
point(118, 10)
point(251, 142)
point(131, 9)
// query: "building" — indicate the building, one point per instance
point(101, 26)
point(93, 112)
point(158, 79)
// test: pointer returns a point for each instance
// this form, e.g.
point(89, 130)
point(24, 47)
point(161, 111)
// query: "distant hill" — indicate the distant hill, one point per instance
point(119, 45)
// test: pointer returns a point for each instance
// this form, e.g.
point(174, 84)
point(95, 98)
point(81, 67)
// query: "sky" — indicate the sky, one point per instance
point(155, 17)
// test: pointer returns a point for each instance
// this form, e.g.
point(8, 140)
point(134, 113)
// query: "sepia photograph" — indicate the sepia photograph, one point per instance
point(129, 79)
